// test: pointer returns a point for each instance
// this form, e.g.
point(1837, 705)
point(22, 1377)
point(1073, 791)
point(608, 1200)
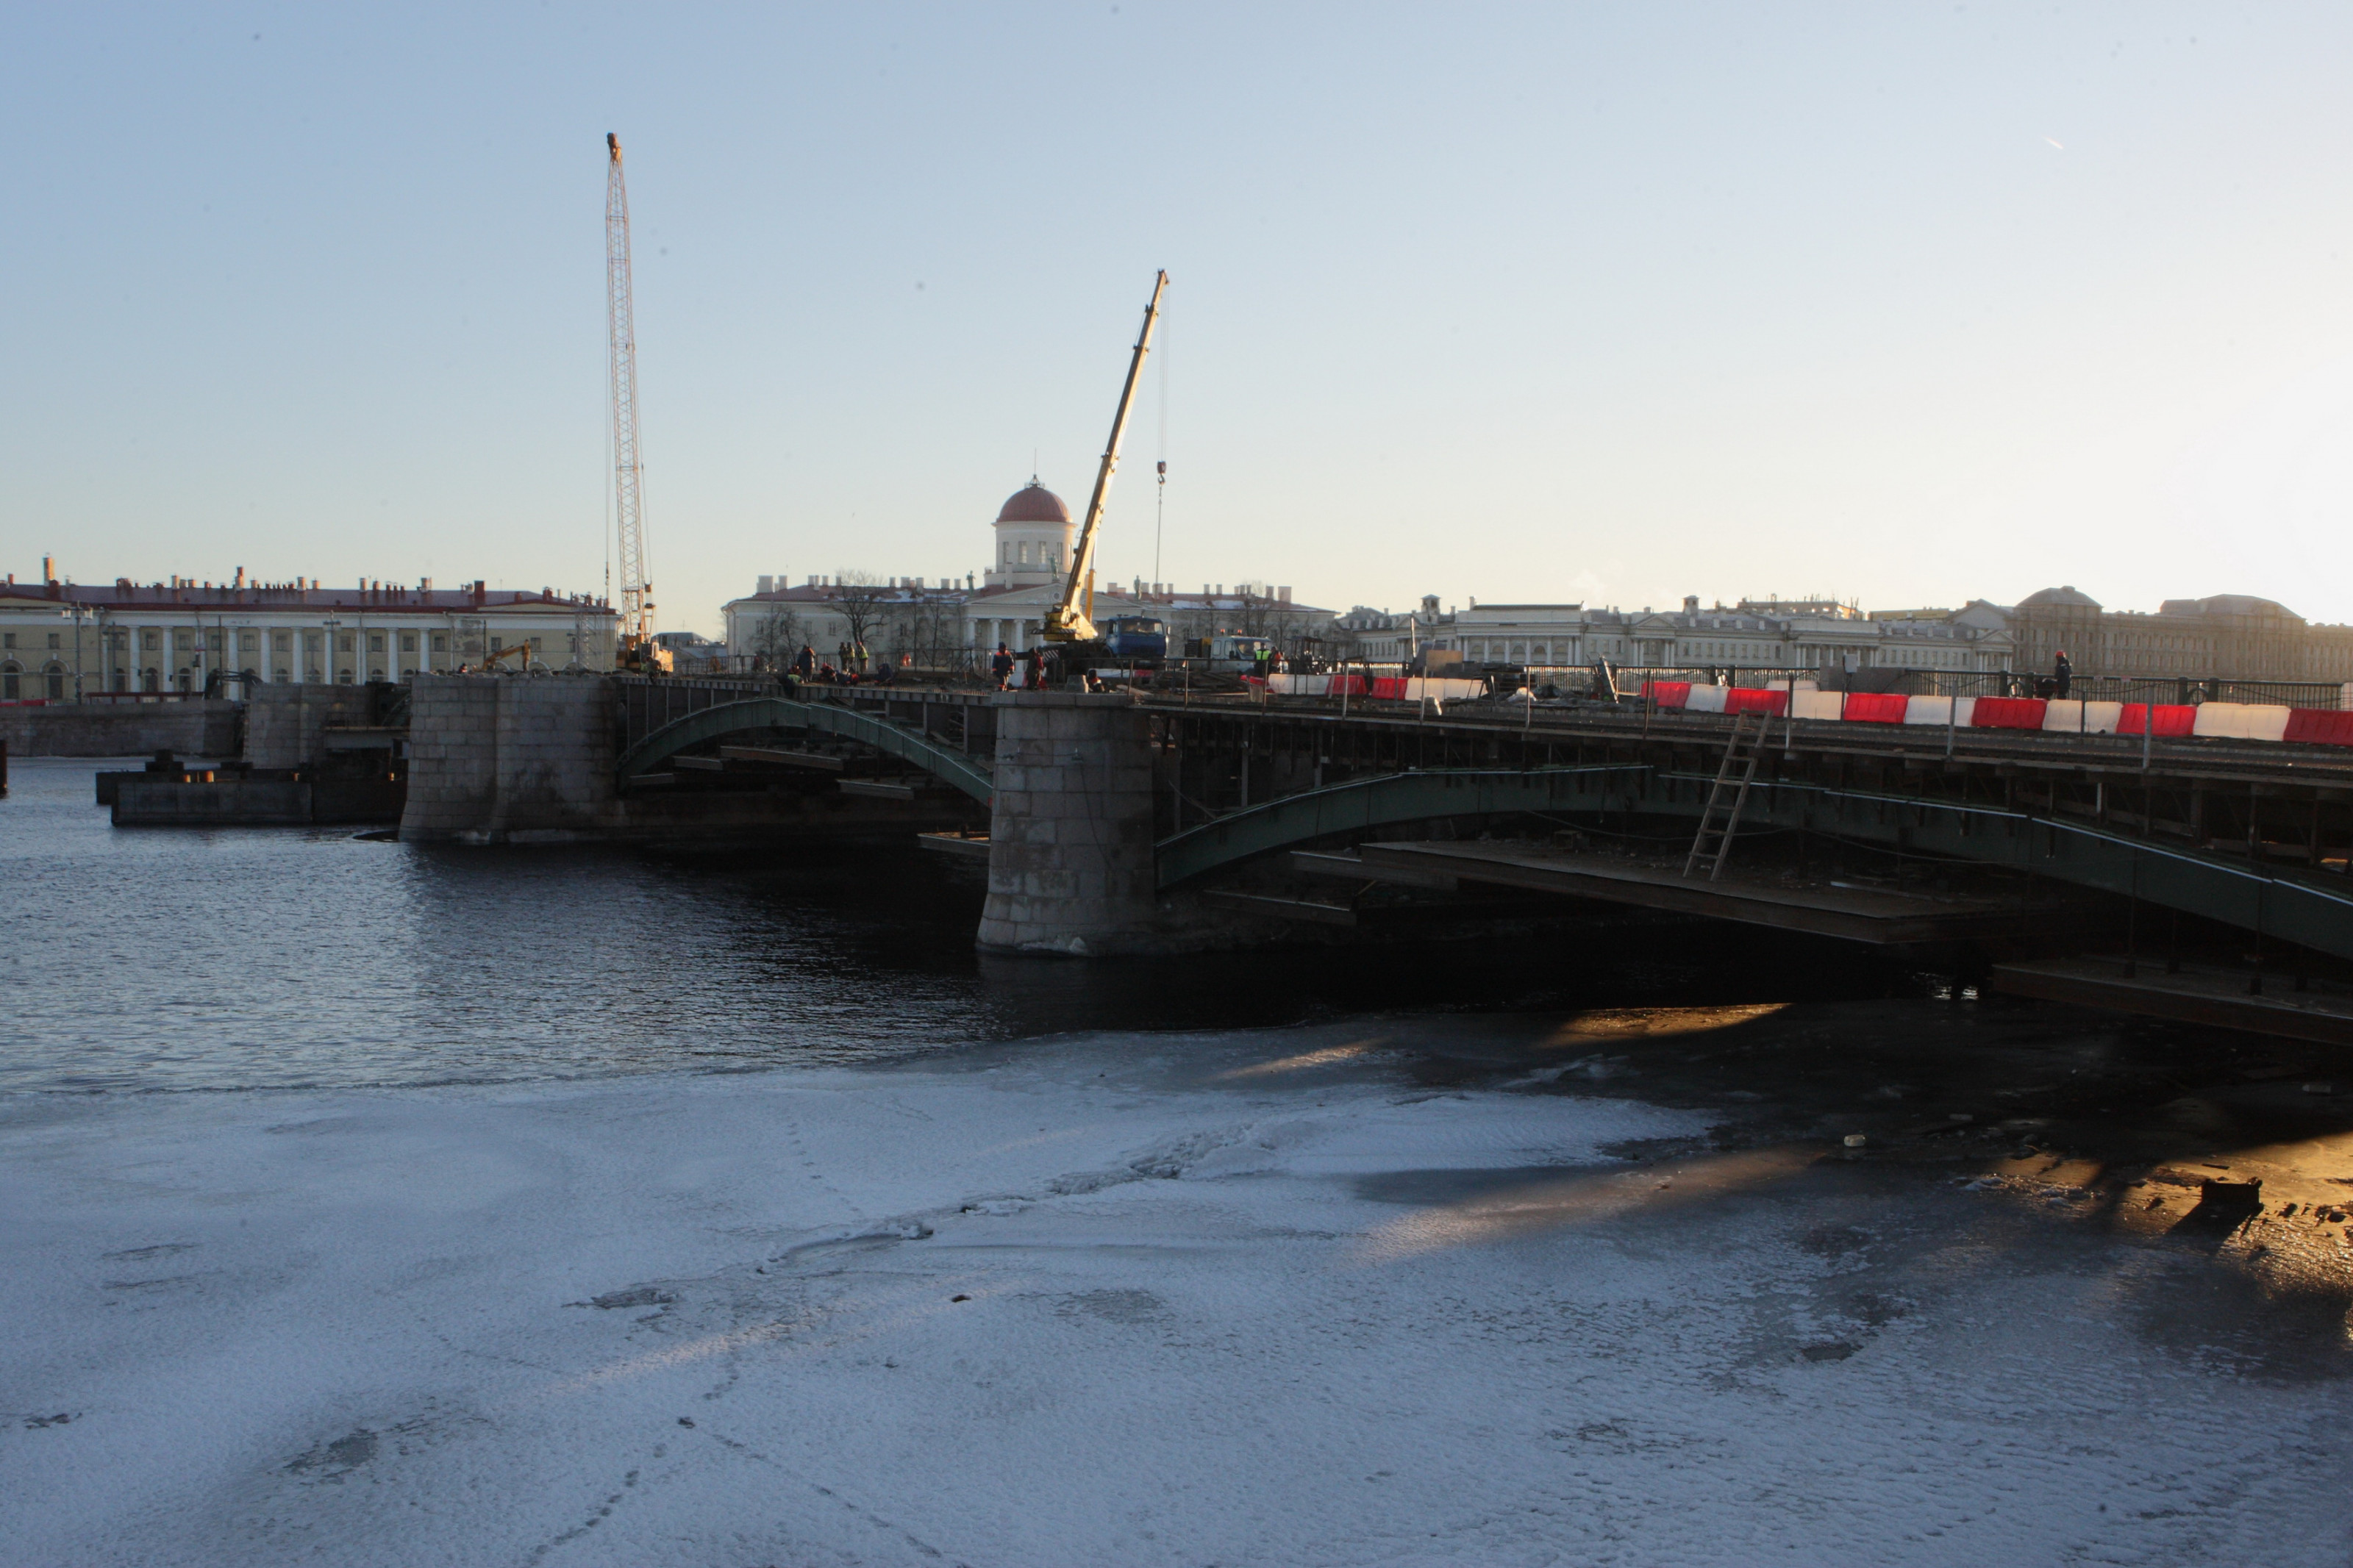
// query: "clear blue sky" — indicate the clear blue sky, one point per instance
point(1902, 303)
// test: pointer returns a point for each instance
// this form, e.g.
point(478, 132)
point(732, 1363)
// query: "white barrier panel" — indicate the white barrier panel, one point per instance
point(2080, 718)
point(1445, 690)
point(2267, 721)
point(2220, 722)
point(1706, 700)
point(1807, 704)
point(1927, 711)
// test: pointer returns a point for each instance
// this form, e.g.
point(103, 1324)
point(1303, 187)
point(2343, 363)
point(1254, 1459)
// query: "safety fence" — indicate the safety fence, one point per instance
point(1378, 688)
point(2178, 690)
point(2076, 716)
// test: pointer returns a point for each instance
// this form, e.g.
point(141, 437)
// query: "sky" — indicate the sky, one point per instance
point(1903, 304)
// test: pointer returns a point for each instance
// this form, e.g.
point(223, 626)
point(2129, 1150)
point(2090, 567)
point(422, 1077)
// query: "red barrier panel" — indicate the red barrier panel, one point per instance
point(2008, 713)
point(1389, 685)
point(1875, 707)
point(2319, 726)
point(1668, 693)
point(2172, 719)
point(1347, 686)
point(1747, 700)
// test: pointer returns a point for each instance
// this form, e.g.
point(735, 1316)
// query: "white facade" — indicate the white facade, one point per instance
point(1572, 636)
point(943, 623)
point(60, 641)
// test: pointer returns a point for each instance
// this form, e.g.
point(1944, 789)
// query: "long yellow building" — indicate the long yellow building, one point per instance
point(60, 641)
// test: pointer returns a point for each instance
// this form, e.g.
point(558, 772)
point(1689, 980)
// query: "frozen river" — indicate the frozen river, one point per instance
point(486, 1266)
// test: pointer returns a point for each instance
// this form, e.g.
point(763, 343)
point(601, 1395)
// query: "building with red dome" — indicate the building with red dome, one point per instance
point(941, 622)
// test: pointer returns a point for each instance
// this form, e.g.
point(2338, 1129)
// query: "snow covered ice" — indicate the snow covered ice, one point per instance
point(1240, 1298)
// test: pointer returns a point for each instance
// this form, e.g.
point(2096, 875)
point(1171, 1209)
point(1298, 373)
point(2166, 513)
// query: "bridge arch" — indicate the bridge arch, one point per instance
point(1385, 801)
point(704, 725)
point(2311, 911)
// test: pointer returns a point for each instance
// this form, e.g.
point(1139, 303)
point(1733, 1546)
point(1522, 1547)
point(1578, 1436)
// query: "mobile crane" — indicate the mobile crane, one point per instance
point(1069, 622)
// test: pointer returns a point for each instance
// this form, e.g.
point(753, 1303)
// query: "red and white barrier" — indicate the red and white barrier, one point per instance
point(2259, 722)
point(1393, 688)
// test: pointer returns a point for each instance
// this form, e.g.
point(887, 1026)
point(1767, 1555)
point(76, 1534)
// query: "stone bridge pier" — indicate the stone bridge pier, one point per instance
point(1070, 844)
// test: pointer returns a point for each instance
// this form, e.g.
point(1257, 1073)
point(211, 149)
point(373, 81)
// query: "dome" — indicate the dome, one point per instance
point(2239, 605)
point(2066, 598)
point(1033, 503)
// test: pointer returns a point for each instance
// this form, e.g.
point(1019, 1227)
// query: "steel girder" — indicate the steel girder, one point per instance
point(944, 762)
point(2303, 910)
point(1367, 803)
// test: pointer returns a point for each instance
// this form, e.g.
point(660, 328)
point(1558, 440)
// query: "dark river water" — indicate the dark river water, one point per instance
point(153, 959)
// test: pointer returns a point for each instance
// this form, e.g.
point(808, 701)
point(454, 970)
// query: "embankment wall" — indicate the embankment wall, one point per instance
point(195, 728)
point(498, 759)
point(282, 724)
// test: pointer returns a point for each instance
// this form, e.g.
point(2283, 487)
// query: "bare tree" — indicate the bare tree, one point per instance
point(861, 599)
point(928, 629)
point(778, 637)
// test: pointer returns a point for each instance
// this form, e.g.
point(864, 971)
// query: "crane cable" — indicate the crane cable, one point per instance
point(1160, 503)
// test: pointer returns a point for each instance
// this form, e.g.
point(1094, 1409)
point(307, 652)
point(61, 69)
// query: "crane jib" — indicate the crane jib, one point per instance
point(1065, 621)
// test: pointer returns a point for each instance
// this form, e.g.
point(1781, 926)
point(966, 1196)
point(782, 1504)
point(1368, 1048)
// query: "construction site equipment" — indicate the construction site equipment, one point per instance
point(1712, 843)
point(1070, 618)
point(637, 650)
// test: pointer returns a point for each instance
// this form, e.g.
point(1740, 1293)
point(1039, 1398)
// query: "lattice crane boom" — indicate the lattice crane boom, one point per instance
point(629, 472)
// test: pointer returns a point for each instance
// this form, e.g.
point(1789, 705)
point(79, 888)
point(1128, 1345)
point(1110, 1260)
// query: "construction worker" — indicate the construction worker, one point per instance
point(1001, 666)
point(807, 663)
point(857, 654)
point(2063, 673)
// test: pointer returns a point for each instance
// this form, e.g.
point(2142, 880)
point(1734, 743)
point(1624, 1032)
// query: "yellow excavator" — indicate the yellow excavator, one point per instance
point(498, 656)
point(1070, 619)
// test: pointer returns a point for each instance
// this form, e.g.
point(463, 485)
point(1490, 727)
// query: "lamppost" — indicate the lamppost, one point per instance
point(76, 613)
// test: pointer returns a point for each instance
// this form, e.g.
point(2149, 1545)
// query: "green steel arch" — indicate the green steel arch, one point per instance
point(777, 713)
point(2312, 910)
point(1362, 804)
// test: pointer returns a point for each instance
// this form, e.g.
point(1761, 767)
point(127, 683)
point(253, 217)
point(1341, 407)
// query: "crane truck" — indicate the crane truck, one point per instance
point(1069, 622)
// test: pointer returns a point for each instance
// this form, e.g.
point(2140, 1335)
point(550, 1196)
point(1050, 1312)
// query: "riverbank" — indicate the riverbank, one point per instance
point(1266, 1297)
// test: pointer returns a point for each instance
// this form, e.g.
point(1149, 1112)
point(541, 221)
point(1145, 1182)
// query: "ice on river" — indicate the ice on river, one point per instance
point(1250, 1300)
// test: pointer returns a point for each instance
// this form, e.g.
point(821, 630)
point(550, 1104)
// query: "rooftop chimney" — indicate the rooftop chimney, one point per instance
point(48, 568)
point(767, 583)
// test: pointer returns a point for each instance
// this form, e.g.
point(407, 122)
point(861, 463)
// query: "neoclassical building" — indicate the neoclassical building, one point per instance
point(943, 621)
point(1756, 635)
point(2225, 636)
point(61, 640)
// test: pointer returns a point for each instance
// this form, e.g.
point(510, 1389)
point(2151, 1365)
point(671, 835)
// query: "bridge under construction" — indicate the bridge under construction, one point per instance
point(2202, 876)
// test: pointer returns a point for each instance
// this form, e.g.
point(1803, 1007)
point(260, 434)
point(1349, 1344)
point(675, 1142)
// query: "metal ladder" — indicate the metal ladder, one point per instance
point(1721, 820)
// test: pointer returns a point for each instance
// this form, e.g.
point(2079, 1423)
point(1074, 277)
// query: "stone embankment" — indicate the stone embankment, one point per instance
point(195, 728)
point(495, 759)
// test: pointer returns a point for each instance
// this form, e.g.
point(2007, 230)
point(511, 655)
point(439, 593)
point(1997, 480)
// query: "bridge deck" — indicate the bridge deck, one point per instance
point(2194, 995)
point(1858, 914)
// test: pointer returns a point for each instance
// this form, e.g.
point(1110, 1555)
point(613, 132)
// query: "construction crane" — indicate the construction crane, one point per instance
point(639, 650)
point(1070, 620)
